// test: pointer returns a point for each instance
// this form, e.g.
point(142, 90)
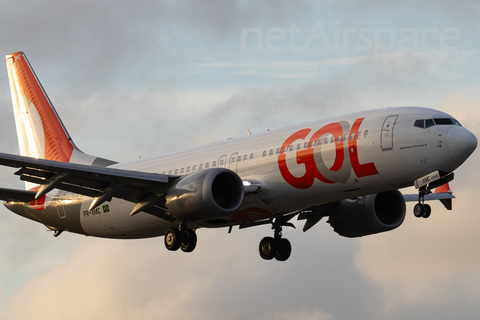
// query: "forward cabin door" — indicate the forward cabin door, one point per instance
point(387, 132)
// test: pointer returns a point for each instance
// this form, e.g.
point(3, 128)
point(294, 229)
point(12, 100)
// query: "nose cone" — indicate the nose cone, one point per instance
point(461, 143)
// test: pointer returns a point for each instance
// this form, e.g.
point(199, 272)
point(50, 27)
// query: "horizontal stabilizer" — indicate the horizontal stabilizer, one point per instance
point(17, 195)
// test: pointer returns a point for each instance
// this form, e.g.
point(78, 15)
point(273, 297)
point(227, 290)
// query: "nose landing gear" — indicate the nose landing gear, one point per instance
point(422, 210)
point(425, 186)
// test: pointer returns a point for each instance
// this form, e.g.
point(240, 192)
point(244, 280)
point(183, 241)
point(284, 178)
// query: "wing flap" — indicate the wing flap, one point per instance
point(96, 182)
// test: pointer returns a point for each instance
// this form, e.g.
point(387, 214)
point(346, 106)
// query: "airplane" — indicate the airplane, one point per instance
point(348, 168)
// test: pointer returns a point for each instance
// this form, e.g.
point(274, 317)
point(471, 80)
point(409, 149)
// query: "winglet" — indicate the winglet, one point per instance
point(41, 133)
point(445, 188)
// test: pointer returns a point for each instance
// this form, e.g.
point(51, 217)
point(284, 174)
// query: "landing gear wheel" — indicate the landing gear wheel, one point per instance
point(172, 239)
point(189, 241)
point(418, 210)
point(284, 249)
point(426, 211)
point(267, 248)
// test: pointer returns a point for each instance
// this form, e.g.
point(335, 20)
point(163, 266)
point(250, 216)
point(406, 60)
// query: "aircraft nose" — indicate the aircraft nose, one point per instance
point(461, 143)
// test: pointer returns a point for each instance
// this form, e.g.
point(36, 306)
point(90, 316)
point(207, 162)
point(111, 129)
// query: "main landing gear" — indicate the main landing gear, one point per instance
point(181, 238)
point(276, 247)
point(422, 210)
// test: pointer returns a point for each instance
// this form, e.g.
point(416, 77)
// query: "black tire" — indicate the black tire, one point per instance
point(172, 239)
point(284, 250)
point(418, 210)
point(267, 248)
point(427, 210)
point(189, 241)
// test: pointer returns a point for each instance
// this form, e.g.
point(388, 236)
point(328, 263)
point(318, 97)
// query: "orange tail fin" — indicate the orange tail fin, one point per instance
point(40, 131)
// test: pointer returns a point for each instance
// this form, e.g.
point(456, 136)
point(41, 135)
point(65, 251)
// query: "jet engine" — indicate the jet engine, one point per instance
point(372, 214)
point(205, 194)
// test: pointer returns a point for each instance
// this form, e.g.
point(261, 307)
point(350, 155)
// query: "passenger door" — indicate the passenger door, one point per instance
point(387, 132)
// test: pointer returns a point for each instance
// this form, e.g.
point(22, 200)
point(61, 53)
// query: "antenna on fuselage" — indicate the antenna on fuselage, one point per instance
point(248, 131)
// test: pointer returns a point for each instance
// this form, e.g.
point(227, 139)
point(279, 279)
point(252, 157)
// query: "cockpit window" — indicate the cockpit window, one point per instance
point(419, 123)
point(427, 123)
point(444, 121)
point(456, 122)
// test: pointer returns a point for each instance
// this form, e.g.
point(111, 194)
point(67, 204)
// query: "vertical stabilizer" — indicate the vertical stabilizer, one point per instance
point(40, 131)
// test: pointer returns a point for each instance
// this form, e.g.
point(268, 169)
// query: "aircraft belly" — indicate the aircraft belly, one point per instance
point(113, 220)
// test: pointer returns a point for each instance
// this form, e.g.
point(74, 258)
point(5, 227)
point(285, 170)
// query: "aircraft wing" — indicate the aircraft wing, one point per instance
point(145, 189)
point(429, 197)
point(444, 197)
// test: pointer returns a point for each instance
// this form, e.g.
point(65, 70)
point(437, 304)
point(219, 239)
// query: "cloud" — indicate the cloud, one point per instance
point(137, 74)
point(140, 279)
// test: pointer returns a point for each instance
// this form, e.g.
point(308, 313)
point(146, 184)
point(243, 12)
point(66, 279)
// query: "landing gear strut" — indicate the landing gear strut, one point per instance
point(181, 238)
point(276, 247)
point(422, 210)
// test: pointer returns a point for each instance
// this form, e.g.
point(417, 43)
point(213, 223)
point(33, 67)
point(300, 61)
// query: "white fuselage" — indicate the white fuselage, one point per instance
point(296, 167)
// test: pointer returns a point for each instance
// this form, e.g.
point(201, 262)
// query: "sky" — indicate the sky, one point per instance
point(138, 79)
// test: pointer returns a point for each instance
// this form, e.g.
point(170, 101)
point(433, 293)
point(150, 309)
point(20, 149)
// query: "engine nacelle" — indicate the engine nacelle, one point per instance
point(206, 194)
point(377, 213)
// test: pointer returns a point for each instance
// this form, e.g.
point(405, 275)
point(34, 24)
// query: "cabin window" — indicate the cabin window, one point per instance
point(352, 136)
point(170, 172)
point(207, 165)
point(285, 149)
point(278, 151)
point(312, 144)
point(332, 140)
point(188, 169)
point(291, 148)
point(305, 145)
point(200, 167)
point(299, 146)
point(214, 164)
point(264, 153)
point(365, 134)
point(182, 171)
point(271, 153)
point(245, 158)
point(176, 171)
point(251, 156)
point(345, 137)
point(220, 163)
point(194, 168)
point(326, 141)
point(359, 134)
point(339, 139)
point(239, 159)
